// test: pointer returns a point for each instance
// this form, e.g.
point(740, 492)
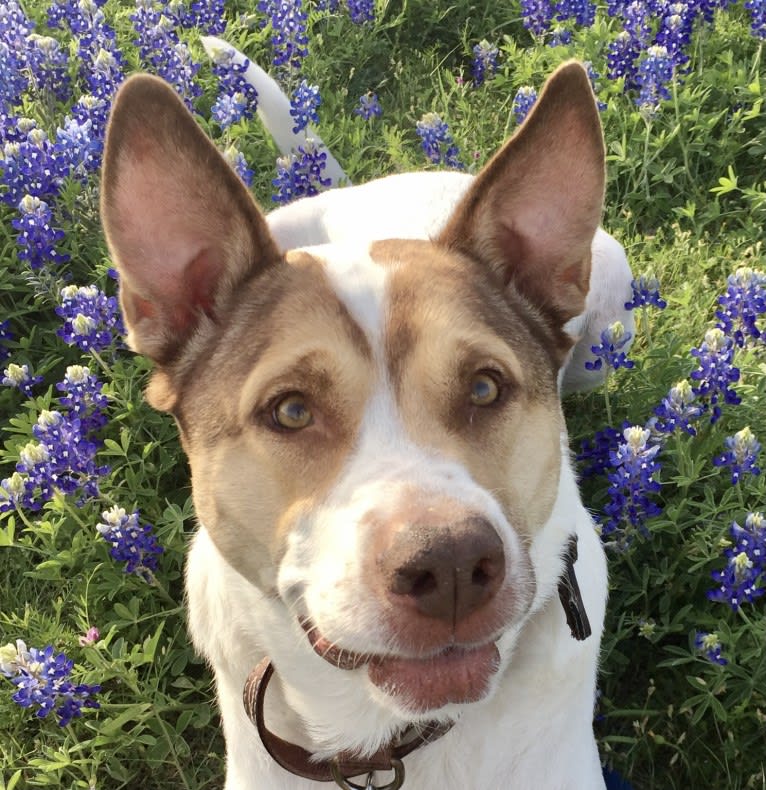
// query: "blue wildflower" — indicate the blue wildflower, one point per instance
point(47, 64)
point(31, 166)
point(237, 98)
point(536, 15)
point(18, 376)
point(361, 11)
point(205, 15)
point(675, 31)
point(560, 36)
point(743, 578)
point(132, 543)
point(741, 455)
point(437, 141)
point(582, 11)
point(716, 372)
point(36, 238)
point(43, 681)
point(646, 291)
point(595, 454)
point(679, 408)
point(300, 175)
point(655, 71)
point(91, 318)
point(631, 480)
point(77, 149)
point(289, 39)
point(613, 339)
point(369, 106)
point(757, 9)
point(525, 97)
point(621, 58)
point(710, 646)
point(84, 397)
point(743, 306)
point(94, 110)
point(303, 105)
point(237, 160)
point(484, 61)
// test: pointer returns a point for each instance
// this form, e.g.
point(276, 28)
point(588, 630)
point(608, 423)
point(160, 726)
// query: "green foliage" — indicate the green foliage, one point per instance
point(686, 196)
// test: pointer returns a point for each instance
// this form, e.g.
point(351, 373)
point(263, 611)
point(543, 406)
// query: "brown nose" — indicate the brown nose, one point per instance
point(445, 571)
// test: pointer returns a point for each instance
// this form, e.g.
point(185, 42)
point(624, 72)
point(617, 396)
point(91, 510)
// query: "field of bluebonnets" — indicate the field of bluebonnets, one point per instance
point(98, 684)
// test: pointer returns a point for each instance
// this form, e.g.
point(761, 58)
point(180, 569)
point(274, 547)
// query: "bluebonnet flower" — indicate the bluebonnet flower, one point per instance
point(621, 58)
point(91, 318)
point(484, 61)
point(18, 376)
point(361, 11)
point(716, 372)
point(582, 11)
point(288, 31)
point(560, 36)
point(710, 646)
point(646, 291)
point(679, 408)
point(741, 455)
point(525, 97)
point(237, 160)
point(437, 141)
point(132, 543)
point(94, 110)
point(207, 16)
point(655, 71)
point(631, 480)
point(36, 238)
point(743, 578)
point(12, 79)
point(369, 106)
point(5, 336)
point(675, 30)
point(303, 105)
point(613, 339)
point(743, 306)
point(47, 64)
point(161, 48)
point(536, 15)
point(593, 76)
point(84, 397)
point(43, 681)
point(31, 166)
point(757, 9)
point(637, 22)
point(237, 98)
point(595, 454)
point(300, 175)
point(77, 149)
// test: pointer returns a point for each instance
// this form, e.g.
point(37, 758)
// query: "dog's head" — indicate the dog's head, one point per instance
point(374, 431)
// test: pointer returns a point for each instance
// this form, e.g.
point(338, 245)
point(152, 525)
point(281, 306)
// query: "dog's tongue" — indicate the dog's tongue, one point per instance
point(457, 675)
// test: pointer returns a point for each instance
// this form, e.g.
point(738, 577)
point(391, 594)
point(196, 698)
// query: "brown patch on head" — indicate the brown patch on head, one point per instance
point(288, 333)
point(449, 320)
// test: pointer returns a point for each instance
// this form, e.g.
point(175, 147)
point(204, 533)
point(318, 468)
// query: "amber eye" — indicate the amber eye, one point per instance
point(484, 389)
point(291, 412)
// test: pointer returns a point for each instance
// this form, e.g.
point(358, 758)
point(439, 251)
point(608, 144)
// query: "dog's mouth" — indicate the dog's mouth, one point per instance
point(455, 675)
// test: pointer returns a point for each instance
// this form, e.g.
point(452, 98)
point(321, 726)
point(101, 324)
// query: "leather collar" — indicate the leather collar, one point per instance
point(299, 761)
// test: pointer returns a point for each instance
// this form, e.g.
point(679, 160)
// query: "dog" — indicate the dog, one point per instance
point(393, 563)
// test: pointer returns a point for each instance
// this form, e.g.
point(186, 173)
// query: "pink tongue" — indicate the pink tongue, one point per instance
point(455, 676)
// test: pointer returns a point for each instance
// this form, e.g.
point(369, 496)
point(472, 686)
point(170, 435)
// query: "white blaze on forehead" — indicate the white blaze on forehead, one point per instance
point(359, 283)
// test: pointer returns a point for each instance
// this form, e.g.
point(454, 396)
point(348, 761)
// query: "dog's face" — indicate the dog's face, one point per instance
point(374, 431)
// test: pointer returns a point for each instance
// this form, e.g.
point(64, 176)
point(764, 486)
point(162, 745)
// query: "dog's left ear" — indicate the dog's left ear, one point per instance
point(531, 214)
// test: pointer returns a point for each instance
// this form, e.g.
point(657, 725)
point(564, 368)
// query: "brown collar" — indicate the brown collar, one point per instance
point(299, 761)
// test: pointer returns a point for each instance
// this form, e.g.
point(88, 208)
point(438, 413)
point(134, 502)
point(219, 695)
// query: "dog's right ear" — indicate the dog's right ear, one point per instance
point(182, 228)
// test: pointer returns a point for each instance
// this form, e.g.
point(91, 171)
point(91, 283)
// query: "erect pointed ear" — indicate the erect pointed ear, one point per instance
point(180, 225)
point(532, 212)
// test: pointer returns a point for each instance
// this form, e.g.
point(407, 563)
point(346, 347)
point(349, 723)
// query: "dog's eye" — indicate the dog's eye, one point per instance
point(291, 412)
point(484, 389)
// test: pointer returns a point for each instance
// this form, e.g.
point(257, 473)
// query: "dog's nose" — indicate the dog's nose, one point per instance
point(445, 571)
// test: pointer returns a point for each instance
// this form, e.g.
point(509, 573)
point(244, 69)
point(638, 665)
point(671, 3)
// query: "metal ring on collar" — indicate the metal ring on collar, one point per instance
point(397, 766)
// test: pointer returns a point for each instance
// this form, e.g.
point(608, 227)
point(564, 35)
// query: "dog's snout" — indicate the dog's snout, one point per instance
point(446, 571)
